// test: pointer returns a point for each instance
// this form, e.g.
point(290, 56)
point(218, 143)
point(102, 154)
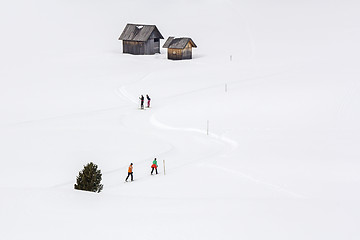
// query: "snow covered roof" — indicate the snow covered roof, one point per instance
point(139, 32)
point(178, 43)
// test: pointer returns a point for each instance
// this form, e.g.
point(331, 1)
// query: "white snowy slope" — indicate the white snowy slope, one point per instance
point(280, 160)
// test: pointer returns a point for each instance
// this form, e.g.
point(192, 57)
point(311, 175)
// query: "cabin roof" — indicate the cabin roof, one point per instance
point(178, 43)
point(139, 32)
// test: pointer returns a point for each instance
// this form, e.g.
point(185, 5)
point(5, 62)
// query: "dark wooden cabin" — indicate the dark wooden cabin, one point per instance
point(179, 48)
point(140, 39)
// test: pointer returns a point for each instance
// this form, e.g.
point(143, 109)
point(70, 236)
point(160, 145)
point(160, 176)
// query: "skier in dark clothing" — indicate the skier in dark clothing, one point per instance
point(154, 166)
point(142, 101)
point(130, 173)
point(148, 100)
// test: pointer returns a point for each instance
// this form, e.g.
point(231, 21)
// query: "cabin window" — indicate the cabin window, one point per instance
point(174, 53)
point(156, 39)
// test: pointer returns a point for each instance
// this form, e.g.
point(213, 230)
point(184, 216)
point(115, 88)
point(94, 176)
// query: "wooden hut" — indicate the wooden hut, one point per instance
point(140, 39)
point(179, 48)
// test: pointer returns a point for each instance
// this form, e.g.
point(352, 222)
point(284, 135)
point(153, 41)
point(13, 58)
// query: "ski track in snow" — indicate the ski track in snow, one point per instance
point(256, 180)
point(347, 98)
point(122, 91)
point(158, 124)
point(254, 80)
point(65, 116)
point(233, 144)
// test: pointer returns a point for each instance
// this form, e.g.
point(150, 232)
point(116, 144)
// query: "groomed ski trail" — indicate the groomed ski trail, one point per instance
point(228, 142)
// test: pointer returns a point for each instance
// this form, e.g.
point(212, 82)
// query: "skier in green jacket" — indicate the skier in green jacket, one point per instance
point(154, 166)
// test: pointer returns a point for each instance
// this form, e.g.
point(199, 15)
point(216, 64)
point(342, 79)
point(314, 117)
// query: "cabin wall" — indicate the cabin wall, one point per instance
point(187, 52)
point(149, 47)
point(155, 43)
point(174, 54)
point(141, 48)
point(132, 47)
point(180, 54)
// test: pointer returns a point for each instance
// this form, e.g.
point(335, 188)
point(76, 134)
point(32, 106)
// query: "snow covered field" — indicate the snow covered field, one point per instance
point(281, 160)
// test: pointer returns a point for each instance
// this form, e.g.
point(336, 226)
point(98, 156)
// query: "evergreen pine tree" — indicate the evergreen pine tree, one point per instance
point(89, 179)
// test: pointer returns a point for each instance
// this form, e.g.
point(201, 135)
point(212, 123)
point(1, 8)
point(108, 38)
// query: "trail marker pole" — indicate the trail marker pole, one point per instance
point(164, 166)
point(207, 128)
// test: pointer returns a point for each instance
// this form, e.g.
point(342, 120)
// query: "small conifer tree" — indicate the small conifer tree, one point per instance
point(89, 179)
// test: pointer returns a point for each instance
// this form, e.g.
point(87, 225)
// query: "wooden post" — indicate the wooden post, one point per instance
point(207, 128)
point(164, 166)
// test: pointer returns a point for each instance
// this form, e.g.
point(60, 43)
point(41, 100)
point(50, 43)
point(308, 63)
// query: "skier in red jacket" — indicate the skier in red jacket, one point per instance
point(148, 100)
